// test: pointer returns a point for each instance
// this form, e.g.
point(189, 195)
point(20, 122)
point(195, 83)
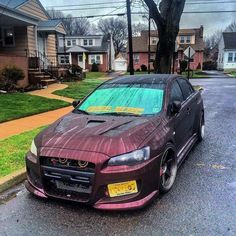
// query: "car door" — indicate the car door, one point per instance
point(179, 120)
point(188, 105)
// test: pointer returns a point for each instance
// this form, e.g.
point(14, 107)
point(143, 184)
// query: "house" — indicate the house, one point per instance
point(227, 52)
point(86, 50)
point(28, 37)
point(185, 38)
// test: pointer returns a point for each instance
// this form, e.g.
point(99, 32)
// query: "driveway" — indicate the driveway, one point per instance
point(202, 201)
point(215, 74)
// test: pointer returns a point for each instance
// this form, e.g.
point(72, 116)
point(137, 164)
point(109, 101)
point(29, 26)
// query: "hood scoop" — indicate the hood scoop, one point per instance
point(94, 123)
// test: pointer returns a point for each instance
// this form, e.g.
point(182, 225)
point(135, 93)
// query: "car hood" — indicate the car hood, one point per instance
point(110, 135)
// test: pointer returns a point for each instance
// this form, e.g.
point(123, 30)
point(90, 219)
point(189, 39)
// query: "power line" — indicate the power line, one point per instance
point(212, 2)
point(86, 4)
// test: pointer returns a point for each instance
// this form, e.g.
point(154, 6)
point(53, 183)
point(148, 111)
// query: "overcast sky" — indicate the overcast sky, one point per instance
point(211, 22)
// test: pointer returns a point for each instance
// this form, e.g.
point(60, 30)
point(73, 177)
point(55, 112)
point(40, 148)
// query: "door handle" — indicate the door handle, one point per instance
point(188, 110)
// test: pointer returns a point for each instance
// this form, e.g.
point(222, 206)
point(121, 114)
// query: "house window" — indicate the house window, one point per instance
point(188, 39)
point(152, 57)
point(8, 37)
point(182, 39)
point(85, 42)
point(136, 58)
point(73, 42)
point(64, 59)
point(230, 57)
point(90, 42)
point(153, 41)
point(68, 43)
point(95, 59)
point(185, 39)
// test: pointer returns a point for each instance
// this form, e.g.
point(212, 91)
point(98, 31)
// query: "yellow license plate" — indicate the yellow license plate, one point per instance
point(121, 189)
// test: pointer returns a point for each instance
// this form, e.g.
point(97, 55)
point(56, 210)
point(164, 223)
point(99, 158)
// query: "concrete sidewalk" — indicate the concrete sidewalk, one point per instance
point(21, 125)
point(47, 93)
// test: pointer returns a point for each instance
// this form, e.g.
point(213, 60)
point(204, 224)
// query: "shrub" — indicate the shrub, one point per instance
point(183, 66)
point(95, 67)
point(13, 73)
point(199, 66)
point(143, 67)
point(75, 70)
point(138, 70)
point(9, 76)
point(209, 65)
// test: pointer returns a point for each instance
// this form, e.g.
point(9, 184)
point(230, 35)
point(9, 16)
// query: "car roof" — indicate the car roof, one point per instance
point(143, 79)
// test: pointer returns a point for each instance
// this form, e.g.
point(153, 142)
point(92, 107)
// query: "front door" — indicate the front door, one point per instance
point(80, 61)
point(42, 50)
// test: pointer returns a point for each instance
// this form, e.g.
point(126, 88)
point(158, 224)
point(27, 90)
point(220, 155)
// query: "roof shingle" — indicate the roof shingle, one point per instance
point(229, 40)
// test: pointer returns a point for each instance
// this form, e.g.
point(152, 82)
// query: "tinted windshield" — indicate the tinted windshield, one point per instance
point(125, 99)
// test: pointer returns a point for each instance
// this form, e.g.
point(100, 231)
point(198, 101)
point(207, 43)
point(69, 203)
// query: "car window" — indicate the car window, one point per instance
point(140, 99)
point(185, 87)
point(176, 93)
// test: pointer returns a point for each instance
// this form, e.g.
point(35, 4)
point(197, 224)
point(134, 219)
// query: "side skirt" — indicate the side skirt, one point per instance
point(182, 154)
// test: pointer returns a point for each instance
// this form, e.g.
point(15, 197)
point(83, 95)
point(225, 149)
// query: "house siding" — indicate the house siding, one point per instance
point(33, 8)
point(102, 67)
point(229, 66)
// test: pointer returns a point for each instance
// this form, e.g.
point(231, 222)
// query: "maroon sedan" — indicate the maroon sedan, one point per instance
point(120, 146)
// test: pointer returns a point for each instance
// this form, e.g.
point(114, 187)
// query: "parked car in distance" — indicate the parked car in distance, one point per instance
point(121, 146)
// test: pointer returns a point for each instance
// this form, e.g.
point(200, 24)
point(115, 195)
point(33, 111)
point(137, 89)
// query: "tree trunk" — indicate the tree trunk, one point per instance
point(167, 18)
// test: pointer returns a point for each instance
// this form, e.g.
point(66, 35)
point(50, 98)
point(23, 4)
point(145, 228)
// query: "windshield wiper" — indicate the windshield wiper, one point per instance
point(119, 114)
point(82, 112)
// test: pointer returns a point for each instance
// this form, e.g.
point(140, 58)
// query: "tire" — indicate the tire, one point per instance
point(168, 170)
point(201, 129)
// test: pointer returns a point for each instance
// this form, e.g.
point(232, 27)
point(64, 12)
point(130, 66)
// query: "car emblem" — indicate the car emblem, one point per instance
point(83, 164)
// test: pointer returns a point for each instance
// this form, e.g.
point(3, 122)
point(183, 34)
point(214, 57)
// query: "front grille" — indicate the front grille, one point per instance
point(67, 181)
point(67, 164)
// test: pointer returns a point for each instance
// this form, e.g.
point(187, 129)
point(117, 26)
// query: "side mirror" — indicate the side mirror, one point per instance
point(75, 103)
point(176, 107)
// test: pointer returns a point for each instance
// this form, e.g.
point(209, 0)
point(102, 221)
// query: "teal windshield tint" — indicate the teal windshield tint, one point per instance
point(141, 99)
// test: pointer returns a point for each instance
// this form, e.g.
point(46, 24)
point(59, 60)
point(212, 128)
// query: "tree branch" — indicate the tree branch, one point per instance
point(154, 13)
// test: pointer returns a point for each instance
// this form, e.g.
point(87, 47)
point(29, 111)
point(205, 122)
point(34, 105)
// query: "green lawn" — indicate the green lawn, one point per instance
point(196, 74)
point(13, 150)
point(78, 90)
point(233, 73)
point(17, 105)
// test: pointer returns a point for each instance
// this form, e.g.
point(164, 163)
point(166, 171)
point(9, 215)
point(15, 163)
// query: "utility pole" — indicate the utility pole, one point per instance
point(149, 43)
point(189, 50)
point(131, 62)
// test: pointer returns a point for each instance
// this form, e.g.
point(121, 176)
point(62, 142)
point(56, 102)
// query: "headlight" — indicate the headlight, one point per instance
point(33, 148)
point(131, 158)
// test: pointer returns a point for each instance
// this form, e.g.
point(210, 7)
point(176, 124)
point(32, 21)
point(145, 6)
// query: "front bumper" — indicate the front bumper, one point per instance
point(145, 174)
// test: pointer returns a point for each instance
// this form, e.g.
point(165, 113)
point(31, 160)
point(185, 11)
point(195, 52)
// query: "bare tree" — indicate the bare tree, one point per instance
point(231, 27)
point(213, 40)
point(81, 26)
point(138, 28)
point(117, 28)
point(167, 17)
point(67, 20)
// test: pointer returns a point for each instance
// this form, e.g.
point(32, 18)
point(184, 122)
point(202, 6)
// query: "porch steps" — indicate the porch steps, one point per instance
point(39, 77)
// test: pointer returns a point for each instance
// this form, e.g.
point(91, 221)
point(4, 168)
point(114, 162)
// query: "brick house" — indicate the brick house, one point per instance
point(28, 38)
point(86, 50)
point(185, 38)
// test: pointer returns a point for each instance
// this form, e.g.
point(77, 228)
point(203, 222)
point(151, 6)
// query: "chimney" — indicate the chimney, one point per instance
point(201, 31)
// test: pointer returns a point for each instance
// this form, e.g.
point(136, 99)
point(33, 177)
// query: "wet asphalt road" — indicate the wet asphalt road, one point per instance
point(202, 201)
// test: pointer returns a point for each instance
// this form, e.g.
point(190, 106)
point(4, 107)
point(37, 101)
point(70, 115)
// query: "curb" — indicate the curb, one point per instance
point(13, 179)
